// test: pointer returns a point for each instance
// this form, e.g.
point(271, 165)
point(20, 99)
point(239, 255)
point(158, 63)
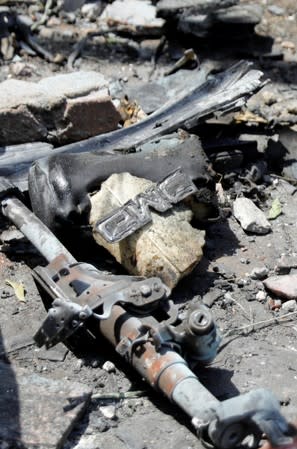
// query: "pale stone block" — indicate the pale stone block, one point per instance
point(61, 108)
point(169, 247)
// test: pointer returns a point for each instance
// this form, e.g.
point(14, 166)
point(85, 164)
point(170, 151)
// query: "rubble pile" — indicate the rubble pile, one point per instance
point(148, 219)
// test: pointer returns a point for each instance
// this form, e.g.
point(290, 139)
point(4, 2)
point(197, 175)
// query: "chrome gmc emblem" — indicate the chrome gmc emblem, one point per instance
point(134, 214)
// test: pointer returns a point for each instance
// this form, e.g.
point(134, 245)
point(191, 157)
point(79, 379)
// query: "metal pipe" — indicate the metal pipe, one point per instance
point(33, 228)
point(163, 368)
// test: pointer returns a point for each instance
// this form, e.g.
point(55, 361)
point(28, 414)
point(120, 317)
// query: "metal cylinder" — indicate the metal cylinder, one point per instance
point(35, 231)
point(163, 368)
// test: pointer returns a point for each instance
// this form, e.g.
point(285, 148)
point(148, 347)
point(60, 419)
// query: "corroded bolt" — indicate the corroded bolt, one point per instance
point(200, 321)
point(145, 290)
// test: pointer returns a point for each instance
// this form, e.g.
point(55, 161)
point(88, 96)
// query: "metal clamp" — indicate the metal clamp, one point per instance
point(230, 422)
point(63, 319)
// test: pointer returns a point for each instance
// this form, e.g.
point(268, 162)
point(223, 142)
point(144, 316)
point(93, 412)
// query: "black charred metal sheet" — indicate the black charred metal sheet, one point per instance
point(59, 185)
point(167, 8)
point(221, 93)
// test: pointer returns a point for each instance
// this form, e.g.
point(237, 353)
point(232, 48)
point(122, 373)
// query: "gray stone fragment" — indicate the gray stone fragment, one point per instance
point(261, 296)
point(108, 411)
point(196, 24)
point(212, 296)
point(289, 306)
point(259, 273)
point(52, 108)
point(243, 13)
point(109, 367)
point(41, 411)
point(134, 16)
point(55, 354)
point(200, 24)
point(91, 10)
point(288, 141)
point(283, 286)
point(11, 234)
point(276, 10)
point(250, 217)
point(285, 263)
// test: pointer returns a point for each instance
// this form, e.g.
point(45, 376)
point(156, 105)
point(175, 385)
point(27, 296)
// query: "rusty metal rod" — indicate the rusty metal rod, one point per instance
point(33, 228)
point(164, 369)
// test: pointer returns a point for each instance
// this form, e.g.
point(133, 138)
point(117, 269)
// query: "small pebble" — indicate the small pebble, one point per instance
point(259, 273)
point(95, 363)
point(276, 10)
point(79, 364)
point(241, 282)
point(109, 367)
point(108, 411)
point(261, 296)
point(289, 306)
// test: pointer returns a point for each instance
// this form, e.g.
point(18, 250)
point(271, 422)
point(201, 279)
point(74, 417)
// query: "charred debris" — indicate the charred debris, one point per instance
point(144, 171)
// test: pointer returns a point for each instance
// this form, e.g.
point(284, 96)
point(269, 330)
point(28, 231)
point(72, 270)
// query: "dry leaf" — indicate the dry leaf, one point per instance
point(275, 210)
point(248, 116)
point(18, 288)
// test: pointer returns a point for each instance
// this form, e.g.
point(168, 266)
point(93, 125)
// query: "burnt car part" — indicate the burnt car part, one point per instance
point(20, 25)
point(221, 93)
point(59, 187)
point(135, 214)
point(59, 183)
point(127, 312)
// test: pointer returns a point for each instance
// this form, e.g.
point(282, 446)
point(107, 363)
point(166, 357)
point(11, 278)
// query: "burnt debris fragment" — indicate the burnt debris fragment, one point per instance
point(59, 184)
point(158, 345)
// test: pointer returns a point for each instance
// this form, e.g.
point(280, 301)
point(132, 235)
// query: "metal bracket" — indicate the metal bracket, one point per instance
point(228, 423)
point(63, 319)
point(80, 291)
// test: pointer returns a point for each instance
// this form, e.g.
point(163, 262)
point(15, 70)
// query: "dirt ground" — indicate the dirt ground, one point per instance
point(258, 347)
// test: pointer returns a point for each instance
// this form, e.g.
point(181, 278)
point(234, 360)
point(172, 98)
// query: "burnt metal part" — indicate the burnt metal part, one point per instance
point(220, 93)
point(168, 8)
point(59, 186)
point(33, 229)
point(135, 214)
point(154, 346)
point(248, 415)
point(10, 22)
point(16, 160)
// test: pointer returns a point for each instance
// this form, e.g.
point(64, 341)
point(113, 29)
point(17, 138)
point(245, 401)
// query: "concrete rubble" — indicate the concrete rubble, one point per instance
point(134, 16)
point(240, 265)
point(284, 286)
point(169, 248)
point(250, 217)
point(61, 108)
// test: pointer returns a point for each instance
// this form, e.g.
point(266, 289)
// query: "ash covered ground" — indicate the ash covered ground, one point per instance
point(258, 326)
